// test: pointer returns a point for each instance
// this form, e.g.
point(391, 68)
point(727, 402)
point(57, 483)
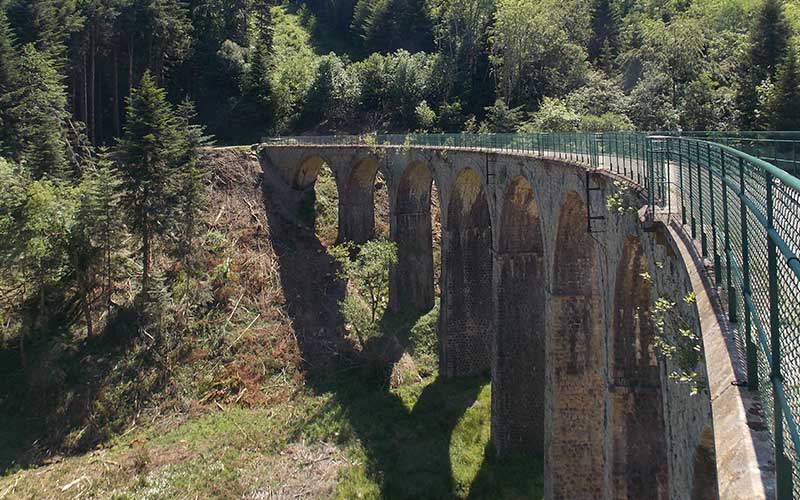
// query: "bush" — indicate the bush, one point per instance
point(335, 93)
point(425, 117)
point(607, 122)
point(368, 275)
point(554, 115)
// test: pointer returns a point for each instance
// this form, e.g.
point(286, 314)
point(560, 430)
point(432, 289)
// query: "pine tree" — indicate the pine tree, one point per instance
point(8, 53)
point(770, 38)
point(257, 81)
point(97, 237)
point(262, 11)
point(8, 75)
point(149, 152)
point(36, 107)
point(603, 44)
point(784, 106)
point(768, 43)
point(47, 24)
point(190, 181)
point(168, 35)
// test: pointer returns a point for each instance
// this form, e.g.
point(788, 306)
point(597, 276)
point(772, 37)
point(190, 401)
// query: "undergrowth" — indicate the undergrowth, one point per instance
point(221, 405)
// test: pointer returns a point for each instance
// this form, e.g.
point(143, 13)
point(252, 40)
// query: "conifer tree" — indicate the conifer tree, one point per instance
point(770, 38)
point(257, 81)
point(98, 234)
point(47, 24)
point(603, 44)
point(784, 106)
point(36, 107)
point(190, 187)
point(149, 151)
point(768, 43)
point(8, 75)
point(8, 53)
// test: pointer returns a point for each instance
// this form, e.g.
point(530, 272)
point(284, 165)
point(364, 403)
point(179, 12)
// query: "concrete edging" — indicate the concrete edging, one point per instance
point(744, 453)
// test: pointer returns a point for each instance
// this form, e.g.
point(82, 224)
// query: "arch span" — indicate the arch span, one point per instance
point(576, 356)
point(306, 173)
point(357, 205)
point(518, 363)
point(413, 276)
point(639, 450)
point(466, 322)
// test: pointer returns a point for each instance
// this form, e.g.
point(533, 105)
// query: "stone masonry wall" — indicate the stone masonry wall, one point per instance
point(586, 403)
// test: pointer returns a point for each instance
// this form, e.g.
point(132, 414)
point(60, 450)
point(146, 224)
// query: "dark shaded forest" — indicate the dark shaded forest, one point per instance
point(256, 68)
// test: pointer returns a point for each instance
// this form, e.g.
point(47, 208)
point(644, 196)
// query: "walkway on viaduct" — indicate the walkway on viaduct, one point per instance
point(566, 259)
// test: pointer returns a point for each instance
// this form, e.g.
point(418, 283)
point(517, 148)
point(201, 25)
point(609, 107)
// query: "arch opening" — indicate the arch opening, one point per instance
point(577, 357)
point(518, 374)
point(639, 453)
point(414, 277)
point(467, 308)
point(319, 202)
point(357, 206)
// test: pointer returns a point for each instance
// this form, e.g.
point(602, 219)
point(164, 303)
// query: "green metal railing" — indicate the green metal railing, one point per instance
point(781, 149)
point(743, 213)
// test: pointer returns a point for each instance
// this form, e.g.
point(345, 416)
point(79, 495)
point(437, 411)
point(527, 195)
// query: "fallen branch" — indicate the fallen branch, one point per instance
point(73, 483)
point(10, 489)
point(236, 306)
point(216, 219)
point(245, 330)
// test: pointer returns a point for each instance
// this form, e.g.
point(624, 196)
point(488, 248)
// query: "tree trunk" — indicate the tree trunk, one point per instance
point(84, 104)
point(87, 314)
point(115, 110)
point(145, 249)
point(90, 122)
point(22, 356)
point(130, 66)
point(98, 119)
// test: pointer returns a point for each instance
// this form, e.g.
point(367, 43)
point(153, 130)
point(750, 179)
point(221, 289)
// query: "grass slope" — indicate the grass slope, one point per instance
point(283, 407)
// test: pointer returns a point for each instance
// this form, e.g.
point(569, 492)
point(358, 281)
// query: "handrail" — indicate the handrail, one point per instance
point(741, 210)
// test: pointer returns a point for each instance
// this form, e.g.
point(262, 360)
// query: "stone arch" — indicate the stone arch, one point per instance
point(319, 200)
point(466, 322)
point(413, 282)
point(357, 203)
point(306, 173)
point(518, 371)
point(639, 449)
point(575, 461)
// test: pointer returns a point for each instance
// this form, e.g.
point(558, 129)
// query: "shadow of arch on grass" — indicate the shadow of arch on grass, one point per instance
point(417, 441)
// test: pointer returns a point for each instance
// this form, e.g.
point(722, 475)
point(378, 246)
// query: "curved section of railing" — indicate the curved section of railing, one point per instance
point(742, 212)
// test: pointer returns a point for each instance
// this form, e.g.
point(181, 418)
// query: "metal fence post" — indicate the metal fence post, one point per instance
point(750, 347)
point(783, 466)
point(680, 175)
point(692, 219)
point(727, 241)
point(703, 238)
point(649, 180)
point(714, 246)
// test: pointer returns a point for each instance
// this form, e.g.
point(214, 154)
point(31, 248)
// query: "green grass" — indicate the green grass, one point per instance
point(321, 209)
point(425, 440)
point(429, 439)
point(351, 430)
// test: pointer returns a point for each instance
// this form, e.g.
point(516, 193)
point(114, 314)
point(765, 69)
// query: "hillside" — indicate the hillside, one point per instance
point(264, 396)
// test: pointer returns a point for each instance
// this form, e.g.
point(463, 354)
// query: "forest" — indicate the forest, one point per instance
point(256, 68)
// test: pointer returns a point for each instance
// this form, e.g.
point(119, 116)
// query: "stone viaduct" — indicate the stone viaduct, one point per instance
point(556, 311)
